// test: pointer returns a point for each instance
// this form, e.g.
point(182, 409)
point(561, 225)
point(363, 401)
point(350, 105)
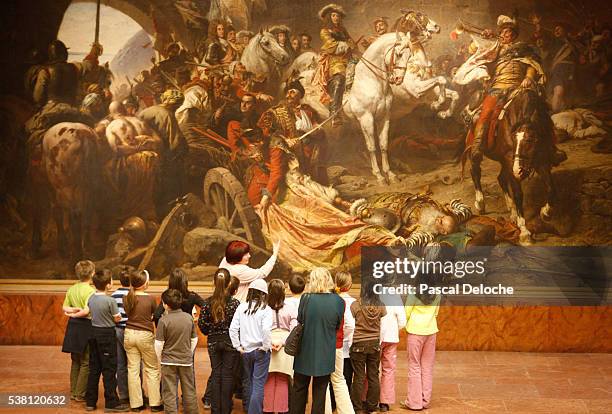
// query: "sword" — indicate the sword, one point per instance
point(170, 79)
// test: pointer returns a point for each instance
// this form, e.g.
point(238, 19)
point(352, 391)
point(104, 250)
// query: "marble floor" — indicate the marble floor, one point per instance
point(464, 382)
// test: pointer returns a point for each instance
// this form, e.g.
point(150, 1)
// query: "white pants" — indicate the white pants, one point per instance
point(341, 392)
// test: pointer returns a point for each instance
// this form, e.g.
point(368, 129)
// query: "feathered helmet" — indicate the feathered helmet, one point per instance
point(506, 22)
point(332, 7)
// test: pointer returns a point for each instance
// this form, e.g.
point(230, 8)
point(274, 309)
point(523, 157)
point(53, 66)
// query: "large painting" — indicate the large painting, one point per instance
point(152, 133)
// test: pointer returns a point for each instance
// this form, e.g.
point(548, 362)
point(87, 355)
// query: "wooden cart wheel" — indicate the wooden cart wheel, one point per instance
point(228, 199)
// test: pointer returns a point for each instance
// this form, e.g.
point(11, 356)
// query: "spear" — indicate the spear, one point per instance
point(97, 34)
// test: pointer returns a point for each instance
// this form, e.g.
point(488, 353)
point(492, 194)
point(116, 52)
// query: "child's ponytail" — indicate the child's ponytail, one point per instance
point(137, 279)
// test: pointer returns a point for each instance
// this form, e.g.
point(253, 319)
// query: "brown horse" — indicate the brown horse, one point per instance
point(522, 144)
point(68, 168)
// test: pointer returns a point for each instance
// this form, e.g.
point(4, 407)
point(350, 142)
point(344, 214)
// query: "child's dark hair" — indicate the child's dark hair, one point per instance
point(297, 284)
point(122, 273)
point(173, 298)
point(102, 278)
point(256, 299)
point(84, 270)
point(276, 294)
point(233, 286)
point(178, 280)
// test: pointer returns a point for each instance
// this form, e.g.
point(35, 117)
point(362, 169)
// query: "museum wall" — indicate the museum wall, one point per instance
point(36, 319)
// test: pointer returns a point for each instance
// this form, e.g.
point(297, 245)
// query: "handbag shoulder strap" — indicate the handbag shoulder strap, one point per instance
point(303, 313)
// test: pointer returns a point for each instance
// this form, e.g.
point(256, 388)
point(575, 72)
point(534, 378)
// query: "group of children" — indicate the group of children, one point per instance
point(132, 342)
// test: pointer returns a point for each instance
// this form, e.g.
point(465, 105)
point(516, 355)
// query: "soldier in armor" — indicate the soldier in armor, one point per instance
point(55, 93)
point(515, 65)
point(336, 53)
point(216, 46)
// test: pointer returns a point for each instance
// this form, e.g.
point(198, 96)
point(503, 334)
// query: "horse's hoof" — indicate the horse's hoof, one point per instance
point(480, 207)
point(393, 179)
point(380, 180)
point(525, 239)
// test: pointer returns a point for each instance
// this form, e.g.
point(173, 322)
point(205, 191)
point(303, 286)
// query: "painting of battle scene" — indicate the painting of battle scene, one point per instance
point(152, 133)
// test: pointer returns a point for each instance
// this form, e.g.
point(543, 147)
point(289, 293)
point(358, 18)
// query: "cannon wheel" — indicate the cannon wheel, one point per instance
point(228, 199)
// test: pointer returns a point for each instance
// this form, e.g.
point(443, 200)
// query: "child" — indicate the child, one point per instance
point(421, 313)
point(102, 345)
point(342, 377)
point(175, 342)
point(250, 334)
point(391, 323)
point(296, 286)
point(276, 390)
point(139, 342)
point(178, 280)
point(365, 351)
point(123, 274)
point(215, 318)
point(78, 329)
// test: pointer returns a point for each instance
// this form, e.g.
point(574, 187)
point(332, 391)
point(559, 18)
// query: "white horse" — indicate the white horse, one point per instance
point(380, 94)
point(264, 57)
point(373, 100)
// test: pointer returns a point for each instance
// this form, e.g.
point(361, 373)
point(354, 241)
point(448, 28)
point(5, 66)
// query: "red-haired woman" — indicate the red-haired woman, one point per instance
point(236, 260)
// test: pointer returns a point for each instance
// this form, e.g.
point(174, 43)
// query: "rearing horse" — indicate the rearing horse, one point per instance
point(379, 95)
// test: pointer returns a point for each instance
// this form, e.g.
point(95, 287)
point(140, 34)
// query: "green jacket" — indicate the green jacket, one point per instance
point(322, 315)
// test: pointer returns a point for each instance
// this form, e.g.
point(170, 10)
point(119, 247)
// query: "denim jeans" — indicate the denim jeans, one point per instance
point(256, 364)
point(122, 384)
point(223, 359)
point(102, 361)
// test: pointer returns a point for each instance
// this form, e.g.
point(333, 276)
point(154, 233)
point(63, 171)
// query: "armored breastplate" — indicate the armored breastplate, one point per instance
point(509, 72)
point(63, 83)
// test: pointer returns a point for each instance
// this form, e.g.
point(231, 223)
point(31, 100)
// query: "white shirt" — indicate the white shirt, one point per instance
point(294, 301)
point(251, 332)
point(391, 323)
point(349, 324)
point(247, 274)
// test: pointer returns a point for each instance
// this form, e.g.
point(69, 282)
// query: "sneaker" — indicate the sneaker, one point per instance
point(79, 399)
point(207, 405)
point(125, 401)
point(121, 408)
point(137, 409)
point(88, 408)
point(157, 408)
point(383, 408)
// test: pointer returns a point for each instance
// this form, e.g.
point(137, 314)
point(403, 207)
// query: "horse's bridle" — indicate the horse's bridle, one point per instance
point(388, 69)
point(267, 52)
